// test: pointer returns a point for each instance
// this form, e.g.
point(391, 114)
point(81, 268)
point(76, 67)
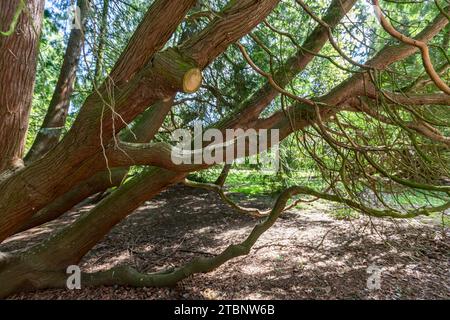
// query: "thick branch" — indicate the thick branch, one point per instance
point(98, 120)
point(423, 47)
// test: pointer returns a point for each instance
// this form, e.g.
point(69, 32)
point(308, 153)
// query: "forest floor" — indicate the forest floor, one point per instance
point(308, 254)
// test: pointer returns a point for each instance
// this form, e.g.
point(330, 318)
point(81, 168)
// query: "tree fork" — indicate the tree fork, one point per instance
point(142, 131)
point(26, 272)
point(70, 159)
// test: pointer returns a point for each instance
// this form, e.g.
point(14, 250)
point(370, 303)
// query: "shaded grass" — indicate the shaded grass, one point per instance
point(254, 183)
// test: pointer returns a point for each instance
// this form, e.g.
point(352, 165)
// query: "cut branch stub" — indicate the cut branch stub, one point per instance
point(180, 71)
point(192, 80)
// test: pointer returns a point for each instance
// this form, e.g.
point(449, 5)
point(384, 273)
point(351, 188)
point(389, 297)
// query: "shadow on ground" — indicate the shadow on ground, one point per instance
point(308, 254)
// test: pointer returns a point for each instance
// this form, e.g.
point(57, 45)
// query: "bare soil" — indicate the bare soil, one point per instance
point(308, 254)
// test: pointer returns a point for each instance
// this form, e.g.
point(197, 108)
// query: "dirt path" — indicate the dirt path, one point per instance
point(308, 254)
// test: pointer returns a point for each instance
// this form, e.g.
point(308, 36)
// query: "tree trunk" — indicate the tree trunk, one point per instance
point(18, 61)
point(223, 175)
point(70, 162)
point(73, 160)
point(53, 124)
point(143, 131)
point(99, 51)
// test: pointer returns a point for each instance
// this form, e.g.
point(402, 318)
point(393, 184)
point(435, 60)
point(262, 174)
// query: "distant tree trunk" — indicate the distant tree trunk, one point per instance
point(53, 124)
point(18, 61)
point(99, 51)
point(223, 175)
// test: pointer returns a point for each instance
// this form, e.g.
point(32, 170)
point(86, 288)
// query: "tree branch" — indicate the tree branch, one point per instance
point(424, 50)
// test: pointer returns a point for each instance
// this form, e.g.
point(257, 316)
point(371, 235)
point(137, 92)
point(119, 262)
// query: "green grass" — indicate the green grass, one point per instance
point(254, 182)
point(259, 183)
point(441, 219)
point(344, 213)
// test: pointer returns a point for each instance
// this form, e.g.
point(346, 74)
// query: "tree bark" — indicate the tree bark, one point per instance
point(18, 61)
point(152, 118)
point(71, 161)
point(143, 131)
point(97, 183)
point(37, 185)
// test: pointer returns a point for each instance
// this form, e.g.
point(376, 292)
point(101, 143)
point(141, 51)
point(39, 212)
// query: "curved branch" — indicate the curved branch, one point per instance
point(219, 190)
point(424, 50)
point(158, 154)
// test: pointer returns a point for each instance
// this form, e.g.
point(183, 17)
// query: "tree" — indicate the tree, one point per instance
point(17, 78)
point(372, 117)
point(58, 108)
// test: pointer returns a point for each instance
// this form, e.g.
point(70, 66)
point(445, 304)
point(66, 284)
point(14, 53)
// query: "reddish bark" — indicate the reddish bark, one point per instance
point(18, 61)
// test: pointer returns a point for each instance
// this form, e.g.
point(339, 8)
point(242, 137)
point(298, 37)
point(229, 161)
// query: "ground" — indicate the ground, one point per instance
point(310, 253)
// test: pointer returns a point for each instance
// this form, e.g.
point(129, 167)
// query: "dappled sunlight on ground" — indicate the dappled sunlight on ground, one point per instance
point(308, 254)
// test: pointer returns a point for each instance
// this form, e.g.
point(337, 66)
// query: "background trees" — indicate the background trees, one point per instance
point(359, 104)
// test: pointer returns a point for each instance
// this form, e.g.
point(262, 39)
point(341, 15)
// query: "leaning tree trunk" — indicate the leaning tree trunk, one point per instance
point(143, 131)
point(148, 124)
point(18, 61)
point(52, 127)
point(50, 258)
point(170, 71)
